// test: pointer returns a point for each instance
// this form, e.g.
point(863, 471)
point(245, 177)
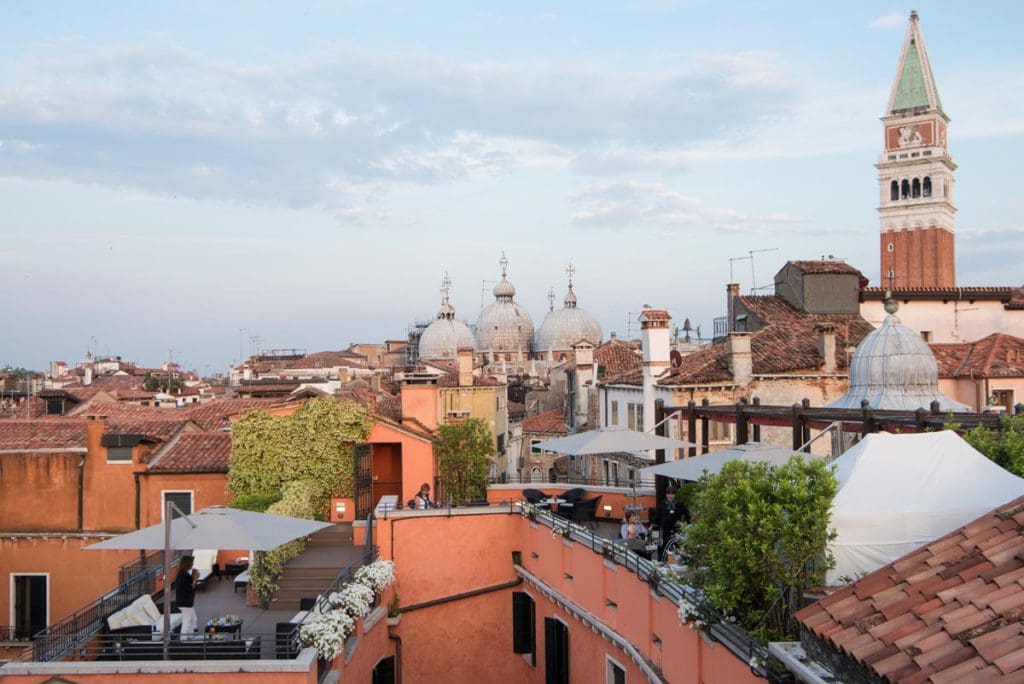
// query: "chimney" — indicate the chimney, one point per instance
point(87, 380)
point(421, 399)
point(375, 382)
point(654, 334)
point(827, 346)
point(465, 366)
point(732, 292)
point(612, 337)
point(741, 361)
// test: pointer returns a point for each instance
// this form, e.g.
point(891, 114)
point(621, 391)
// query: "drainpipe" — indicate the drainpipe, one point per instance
point(138, 499)
point(81, 492)
point(398, 655)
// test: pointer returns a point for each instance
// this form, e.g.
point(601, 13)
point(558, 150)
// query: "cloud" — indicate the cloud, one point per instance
point(887, 22)
point(329, 131)
point(629, 204)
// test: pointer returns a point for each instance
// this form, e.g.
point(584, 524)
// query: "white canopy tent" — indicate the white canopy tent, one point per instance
point(899, 492)
point(610, 440)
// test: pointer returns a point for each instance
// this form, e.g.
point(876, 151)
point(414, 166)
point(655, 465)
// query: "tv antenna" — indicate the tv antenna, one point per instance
point(750, 258)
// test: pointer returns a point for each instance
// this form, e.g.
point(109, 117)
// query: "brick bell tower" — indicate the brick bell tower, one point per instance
point(915, 177)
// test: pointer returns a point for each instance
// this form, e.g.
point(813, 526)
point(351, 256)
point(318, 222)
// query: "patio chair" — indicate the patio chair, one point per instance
point(204, 561)
point(572, 497)
point(534, 496)
point(586, 511)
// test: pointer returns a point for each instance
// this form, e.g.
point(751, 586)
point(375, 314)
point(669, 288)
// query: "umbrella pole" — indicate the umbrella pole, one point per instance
point(167, 579)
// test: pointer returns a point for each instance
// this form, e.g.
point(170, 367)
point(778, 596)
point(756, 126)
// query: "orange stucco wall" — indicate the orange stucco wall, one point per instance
point(417, 457)
point(109, 487)
point(208, 489)
point(438, 556)
point(76, 576)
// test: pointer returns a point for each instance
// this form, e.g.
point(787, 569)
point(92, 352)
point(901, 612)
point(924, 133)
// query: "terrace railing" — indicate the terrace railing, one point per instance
point(11, 633)
point(153, 559)
point(347, 574)
point(622, 481)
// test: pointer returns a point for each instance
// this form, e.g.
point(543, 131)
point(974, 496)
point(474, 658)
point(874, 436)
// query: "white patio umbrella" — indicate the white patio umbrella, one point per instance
point(610, 440)
point(692, 468)
point(210, 528)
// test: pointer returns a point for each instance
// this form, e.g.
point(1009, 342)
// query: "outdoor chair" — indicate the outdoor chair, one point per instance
point(534, 496)
point(572, 497)
point(585, 511)
point(204, 560)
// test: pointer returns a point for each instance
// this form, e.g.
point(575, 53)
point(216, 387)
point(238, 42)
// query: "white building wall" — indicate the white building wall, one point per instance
point(953, 320)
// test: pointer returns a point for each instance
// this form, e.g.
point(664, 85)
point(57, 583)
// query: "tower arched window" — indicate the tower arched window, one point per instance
point(916, 192)
point(905, 189)
point(926, 186)
point(894, 191)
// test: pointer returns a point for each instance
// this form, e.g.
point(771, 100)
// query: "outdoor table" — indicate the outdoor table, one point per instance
point(217, 628)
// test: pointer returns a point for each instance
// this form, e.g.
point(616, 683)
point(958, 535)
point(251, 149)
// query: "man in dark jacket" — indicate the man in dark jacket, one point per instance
point(669, 514)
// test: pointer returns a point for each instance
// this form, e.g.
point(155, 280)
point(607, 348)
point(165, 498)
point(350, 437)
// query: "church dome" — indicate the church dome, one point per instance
point(562, 328)
point(504, 326)
point(894, 369)
point(444, 337)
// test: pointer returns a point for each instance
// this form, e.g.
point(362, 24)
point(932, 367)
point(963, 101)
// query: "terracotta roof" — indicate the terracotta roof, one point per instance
point(328, 359)
point(516, 410)
point(390, 407)
point(33, 435)
point(451, 379)
point(214, 414)
point(949, 612)
point(1012, 297)
point(550, 422)
point(617, 357)
point(157, 430)
point(195, 452)
point(996, 356)
point(825, 266)
point(655, 315)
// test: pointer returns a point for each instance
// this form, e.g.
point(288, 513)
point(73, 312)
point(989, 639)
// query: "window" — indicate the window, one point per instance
point(607, 472)
point(615, 473)
point(524, 636)
point(631, 416)
point(55, 407)
point(894, 190)
point(891, 247)
point(905, 189)
point(639, 416)
point(501, 443)
point(30, 603)
point(535, 446)
point(556, 651)
point(926, 335)
point(916, 188)
point(119, 454)
point(613, 672)
point(926, 186)
point(183, 500)
point(535, 475)
point(614, 418)
point(384, 671)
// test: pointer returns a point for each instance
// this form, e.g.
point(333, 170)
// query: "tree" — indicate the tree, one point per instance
point(1004, 446)
point(758, 540)
point(464, 453)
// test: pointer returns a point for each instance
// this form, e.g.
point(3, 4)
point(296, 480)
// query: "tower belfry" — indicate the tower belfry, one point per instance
point(915, 175)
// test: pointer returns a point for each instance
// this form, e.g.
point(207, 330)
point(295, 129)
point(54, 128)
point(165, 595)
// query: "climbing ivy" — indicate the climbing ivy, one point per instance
point(303, 460)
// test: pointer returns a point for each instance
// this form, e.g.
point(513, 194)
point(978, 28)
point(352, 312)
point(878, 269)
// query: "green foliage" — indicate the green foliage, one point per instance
point(315, 443)
point(301, 499)
point(293, 465)
point(1004, 446)
point(464, 453)
point(758, 540)
point(254, 502)
point(161, 383)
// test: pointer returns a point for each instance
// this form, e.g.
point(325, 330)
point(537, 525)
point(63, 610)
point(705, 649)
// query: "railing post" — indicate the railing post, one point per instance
point(798, 430)
point(691, 426)
point(704, 425)
point(741, 423)
point(757, 427)
point(805, 403)
point(659, 420)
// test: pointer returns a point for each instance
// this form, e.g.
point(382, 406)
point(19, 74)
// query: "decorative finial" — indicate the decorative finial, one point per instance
point(913, 15)
point(503, 262)
point(571, 270)
point(891, 305)
point(446, 286)
point(551, 298)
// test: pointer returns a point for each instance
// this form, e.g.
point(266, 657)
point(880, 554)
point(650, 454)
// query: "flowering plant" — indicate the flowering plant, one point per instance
point(377, 575)
point(354, 598)
point(327, 633)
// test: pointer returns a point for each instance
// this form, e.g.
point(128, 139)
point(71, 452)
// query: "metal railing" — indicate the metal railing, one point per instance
point(153, 559)
point(74, 631)
point(737, 640)
point(141, 644)
point(346, 574)
point(12, 633)
point(575, 480)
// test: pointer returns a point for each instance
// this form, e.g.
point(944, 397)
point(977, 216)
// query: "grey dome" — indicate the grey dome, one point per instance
point(894, 369)
point(564, 327)
point(504, 288)
point(444, 337)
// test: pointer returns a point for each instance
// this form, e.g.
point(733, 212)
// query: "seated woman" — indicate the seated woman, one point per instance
point(632, 528)
point(422, 498)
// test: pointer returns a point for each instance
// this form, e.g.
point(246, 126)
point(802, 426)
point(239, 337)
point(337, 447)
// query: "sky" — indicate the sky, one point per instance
point(180, 178)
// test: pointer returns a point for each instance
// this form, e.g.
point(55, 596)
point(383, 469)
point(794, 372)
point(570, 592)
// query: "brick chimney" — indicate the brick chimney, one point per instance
point(465, 366)
point(741, 361)
point(654, 334)
point(421, 399)
point(827, 346)
point(732, 293)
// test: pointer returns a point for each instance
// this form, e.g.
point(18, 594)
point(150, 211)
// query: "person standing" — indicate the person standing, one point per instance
point(185, 596)
point(669, 514)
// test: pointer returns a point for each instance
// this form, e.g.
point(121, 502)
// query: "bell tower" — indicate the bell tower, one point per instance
point(915, 177)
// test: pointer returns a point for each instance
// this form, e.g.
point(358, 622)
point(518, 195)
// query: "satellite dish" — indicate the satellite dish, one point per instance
point(675, 358)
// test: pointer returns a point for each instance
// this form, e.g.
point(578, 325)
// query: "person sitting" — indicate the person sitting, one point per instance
point(422, 499)
point(631, 528)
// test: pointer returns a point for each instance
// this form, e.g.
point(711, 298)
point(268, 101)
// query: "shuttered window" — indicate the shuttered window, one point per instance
point(119, 454)
point(183, 500)
point(556, 651)
point(523, 624)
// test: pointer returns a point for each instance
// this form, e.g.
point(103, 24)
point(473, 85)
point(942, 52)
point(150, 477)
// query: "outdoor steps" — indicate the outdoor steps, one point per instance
point(326, 552)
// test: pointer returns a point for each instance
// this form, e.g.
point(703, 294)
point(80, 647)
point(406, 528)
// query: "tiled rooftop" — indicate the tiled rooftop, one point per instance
point(995, 356)
point(549, 422)
point(617, 357)
point(195, 452)
point(32, 435)
point(826, 266)
point(949, 612)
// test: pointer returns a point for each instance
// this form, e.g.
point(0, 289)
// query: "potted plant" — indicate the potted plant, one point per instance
point(394, 611)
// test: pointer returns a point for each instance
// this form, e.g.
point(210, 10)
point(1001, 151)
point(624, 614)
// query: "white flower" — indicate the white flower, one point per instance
point(354, 598)
point(689, 614)
point(327, 633)
point(377, 575)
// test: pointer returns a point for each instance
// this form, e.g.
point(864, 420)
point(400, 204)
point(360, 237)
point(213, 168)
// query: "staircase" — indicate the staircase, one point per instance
point(326, 553)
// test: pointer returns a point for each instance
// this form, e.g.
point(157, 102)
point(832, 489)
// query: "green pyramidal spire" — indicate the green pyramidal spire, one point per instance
point(914, 88)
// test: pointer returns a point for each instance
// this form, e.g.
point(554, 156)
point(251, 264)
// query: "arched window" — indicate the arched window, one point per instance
point(926, 186)
point(892, 247)
point(905, 188)
point(916, 192)
point(894, 190)
point(535, 475)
